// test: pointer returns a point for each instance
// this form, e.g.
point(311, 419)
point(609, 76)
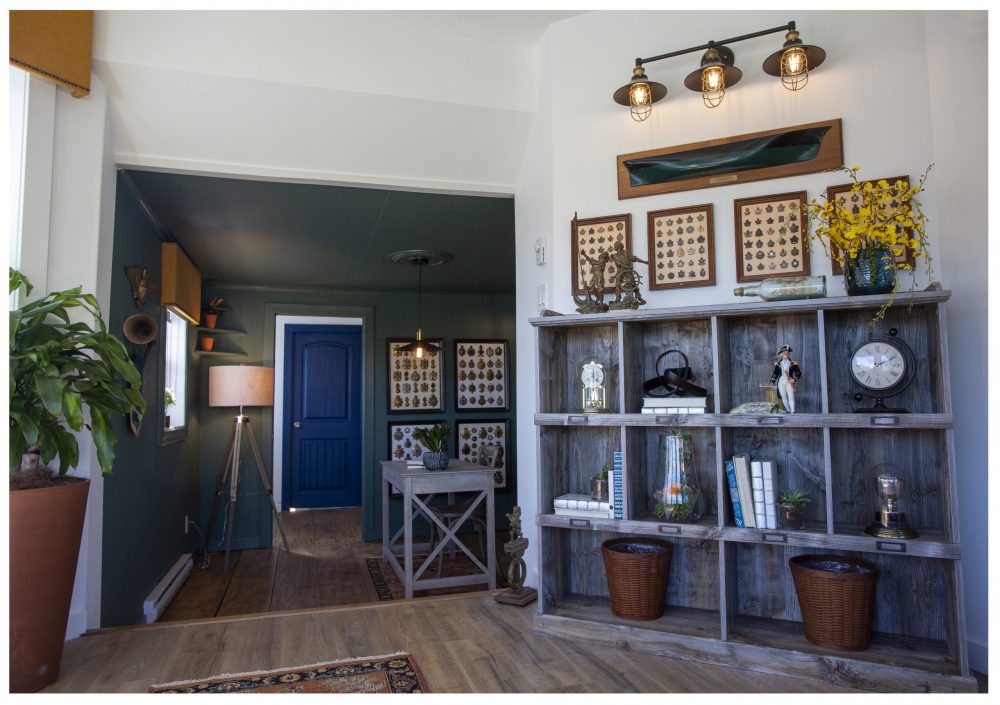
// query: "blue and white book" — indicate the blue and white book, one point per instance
point(770, 511)
point(757, 482)
point(741, 462)
point(618, 488)
point(734, 494)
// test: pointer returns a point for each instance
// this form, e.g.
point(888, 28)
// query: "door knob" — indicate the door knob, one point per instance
point(296, 424)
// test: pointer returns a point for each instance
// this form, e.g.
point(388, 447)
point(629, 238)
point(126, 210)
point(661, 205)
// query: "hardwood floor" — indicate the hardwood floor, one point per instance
point(462, 643)
point(325, 568)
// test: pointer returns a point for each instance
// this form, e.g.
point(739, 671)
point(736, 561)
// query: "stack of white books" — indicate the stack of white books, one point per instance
point(581, 505)
point(674, 405)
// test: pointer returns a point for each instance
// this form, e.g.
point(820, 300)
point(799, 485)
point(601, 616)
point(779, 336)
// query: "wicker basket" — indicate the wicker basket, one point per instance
point(637, 570)
point(837, 598)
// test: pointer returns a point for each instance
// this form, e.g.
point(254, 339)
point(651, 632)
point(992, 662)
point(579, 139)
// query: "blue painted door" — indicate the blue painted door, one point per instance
point(322, 455)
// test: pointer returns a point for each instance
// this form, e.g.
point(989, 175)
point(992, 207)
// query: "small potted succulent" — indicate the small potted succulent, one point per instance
point(599, 484)
point(213, 311)
point(792, 504)
point(435, 443)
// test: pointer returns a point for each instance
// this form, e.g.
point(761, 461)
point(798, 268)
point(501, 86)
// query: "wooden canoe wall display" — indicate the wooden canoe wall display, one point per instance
point(592, 237)
point(771, 154)
point(770, 236)
point(681, 247)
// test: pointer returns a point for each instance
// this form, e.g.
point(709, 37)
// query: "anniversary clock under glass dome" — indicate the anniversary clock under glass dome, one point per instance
point(592, 377)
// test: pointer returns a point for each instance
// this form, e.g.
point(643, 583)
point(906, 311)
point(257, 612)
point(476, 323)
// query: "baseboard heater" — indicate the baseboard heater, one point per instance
point(164, 592)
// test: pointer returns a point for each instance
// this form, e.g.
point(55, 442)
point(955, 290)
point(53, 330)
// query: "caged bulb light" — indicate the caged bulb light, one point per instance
point(794, 61)
point(639, 94)
point(714, 76)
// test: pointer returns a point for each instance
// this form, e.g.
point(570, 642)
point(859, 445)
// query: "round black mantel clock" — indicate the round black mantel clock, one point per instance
point(882, 367)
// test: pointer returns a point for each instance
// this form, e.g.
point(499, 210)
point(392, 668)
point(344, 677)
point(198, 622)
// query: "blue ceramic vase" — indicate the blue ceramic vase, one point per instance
point(435, 461)
point(871, 272)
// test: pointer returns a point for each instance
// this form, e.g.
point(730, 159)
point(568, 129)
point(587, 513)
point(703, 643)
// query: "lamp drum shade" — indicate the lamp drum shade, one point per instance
point(240, 385)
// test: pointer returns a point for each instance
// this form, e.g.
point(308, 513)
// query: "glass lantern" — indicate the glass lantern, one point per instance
point(677, 495)
point(891, 500)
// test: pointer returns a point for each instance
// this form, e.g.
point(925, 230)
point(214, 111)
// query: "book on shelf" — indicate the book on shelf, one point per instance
point(585, 513)
point(757, 483)
point(671, 410)
point(617, 489)
point(414, 463)
point(580, 501)
point(693, 402)
point(770, 511)
point(734, 494)
point(741, 463)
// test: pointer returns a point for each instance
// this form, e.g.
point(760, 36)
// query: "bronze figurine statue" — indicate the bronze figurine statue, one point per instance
point(627, 280)
point(593, 301)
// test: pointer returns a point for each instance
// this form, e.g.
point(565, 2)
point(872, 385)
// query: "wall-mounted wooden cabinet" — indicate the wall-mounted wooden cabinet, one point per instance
point(731, 599)
point(180, 288)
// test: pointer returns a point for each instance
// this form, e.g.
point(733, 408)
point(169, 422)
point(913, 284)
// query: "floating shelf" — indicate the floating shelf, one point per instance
point(219, 331)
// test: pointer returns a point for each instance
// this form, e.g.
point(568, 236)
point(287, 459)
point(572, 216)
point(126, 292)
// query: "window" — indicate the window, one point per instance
point(175, 374)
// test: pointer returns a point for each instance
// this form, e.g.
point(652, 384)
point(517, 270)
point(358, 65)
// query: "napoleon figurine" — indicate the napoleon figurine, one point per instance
point(785, 375)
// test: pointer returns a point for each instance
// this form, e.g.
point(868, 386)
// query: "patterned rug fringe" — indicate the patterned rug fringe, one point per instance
point(178, 684)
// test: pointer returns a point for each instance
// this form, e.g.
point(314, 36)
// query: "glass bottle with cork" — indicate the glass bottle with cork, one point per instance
point(786, 289)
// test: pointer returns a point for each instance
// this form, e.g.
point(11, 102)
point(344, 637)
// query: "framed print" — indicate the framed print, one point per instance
point(414, 384)
point(402, 445)
point(482, 375)
point(590, 239)
point(756, 156)
point(852, 199)
point(681, 247)
point(770, 236)
point(485, 443)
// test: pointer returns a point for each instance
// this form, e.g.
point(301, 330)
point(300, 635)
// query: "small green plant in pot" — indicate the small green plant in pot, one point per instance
point(435, 443)
point(66, 376)
point(792, 504)
point(599, 483)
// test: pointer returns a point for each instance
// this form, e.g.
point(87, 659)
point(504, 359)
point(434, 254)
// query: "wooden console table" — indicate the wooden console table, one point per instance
point(418, 487)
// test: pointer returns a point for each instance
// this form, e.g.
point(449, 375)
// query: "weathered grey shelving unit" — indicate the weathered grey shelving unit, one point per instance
point(731, 599)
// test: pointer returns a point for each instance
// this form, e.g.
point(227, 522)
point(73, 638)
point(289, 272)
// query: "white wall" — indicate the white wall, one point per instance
point(888, 131)
point(68, 217)
point(956, 41)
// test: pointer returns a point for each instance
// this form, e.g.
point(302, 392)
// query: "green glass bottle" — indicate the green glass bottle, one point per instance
point(786, 289)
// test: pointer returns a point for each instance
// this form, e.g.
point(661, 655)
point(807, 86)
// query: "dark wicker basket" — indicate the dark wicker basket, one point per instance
point(637, 570)
point(837, 599)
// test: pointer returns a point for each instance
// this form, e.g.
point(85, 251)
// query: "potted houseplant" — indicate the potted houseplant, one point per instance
point(65, 376)
point(434, 440)
point(792, 504)
point(599, 483)
point(869, 230)
point(212, 312)
point(169, 399)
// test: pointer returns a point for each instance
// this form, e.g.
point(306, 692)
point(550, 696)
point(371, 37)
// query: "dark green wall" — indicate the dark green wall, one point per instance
point(152, 487)
point(448, 316)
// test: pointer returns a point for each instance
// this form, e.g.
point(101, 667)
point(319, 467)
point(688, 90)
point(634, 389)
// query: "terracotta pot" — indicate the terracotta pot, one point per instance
point(206, 344)
point(211, 320)
point(45, 529)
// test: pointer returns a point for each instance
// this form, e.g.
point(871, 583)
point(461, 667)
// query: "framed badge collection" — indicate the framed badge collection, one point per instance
point(484, 443)
point(414, 384)
point(482, 375)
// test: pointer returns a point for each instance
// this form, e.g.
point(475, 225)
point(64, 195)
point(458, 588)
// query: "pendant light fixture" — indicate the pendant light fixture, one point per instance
point(794, 61)
point(717, 73)
point(420, 259)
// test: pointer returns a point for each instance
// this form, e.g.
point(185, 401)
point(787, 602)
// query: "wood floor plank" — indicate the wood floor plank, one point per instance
point(203, 591)
point(251, 583)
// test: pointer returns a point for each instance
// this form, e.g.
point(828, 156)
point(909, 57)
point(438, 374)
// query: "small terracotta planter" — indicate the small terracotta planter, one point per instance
point(211, 320)
point(206, 344)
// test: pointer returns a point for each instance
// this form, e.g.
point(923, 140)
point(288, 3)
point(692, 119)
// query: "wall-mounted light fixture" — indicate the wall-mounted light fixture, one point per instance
point(792, 63)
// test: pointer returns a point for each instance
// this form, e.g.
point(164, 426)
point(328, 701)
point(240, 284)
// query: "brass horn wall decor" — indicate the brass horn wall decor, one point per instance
point(140, 330)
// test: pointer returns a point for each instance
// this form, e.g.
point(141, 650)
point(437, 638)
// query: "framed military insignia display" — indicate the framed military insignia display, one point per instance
point(482, 375)
point(402, 445)
point(770, 237)
point(681, 247)
point(853, 201)
point(485, 443)
point(415, 384)
point(592, 241)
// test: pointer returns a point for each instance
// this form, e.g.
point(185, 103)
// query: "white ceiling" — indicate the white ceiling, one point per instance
point(424, 100)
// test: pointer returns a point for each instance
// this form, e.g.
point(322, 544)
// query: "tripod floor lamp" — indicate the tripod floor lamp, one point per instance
point(240, 385)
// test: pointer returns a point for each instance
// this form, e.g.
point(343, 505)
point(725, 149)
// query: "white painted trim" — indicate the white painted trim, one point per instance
point(262, 172)
point(279, 384)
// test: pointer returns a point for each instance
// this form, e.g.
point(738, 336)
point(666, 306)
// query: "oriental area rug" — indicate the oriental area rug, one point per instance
point(387, 586)
point(392, 673)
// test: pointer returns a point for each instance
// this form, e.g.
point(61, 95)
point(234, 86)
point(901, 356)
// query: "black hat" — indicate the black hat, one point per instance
point(783, 348)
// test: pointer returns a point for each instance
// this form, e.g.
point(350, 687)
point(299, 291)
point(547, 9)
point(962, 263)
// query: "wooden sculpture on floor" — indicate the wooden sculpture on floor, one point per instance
point(516, 594)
